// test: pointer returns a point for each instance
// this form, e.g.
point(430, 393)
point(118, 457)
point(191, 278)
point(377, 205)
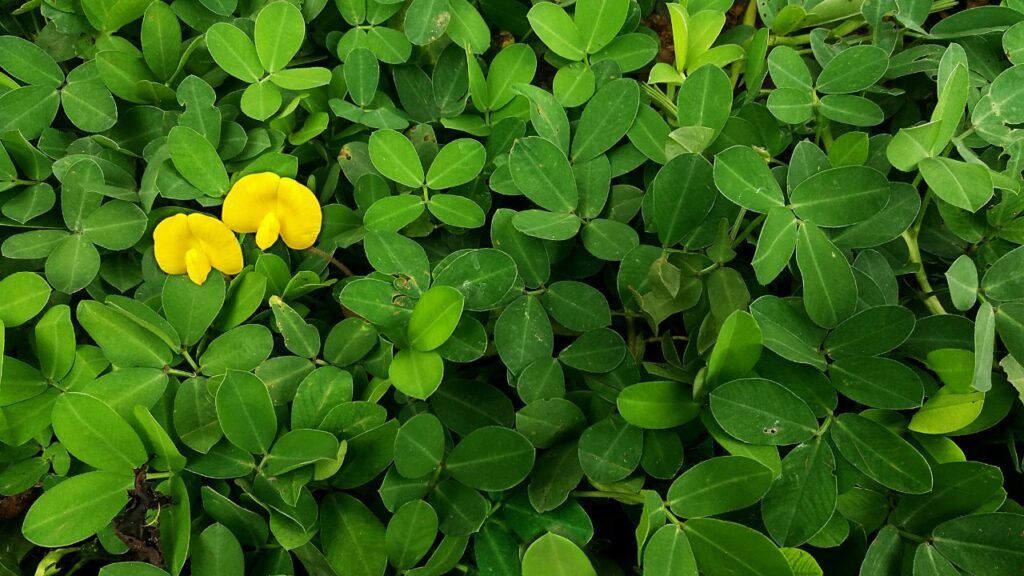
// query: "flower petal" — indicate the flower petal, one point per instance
point(198, 265)
point(249, 200)
point(268, 231)
point(171, 240)
point(299, 212)
point(218, 243)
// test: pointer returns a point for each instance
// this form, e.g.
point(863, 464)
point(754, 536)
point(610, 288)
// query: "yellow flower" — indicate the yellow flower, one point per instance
point(193, 244)
point(272, 206)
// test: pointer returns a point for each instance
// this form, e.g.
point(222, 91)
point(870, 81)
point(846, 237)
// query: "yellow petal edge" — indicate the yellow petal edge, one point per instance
point(194, 244)
point(272, 206)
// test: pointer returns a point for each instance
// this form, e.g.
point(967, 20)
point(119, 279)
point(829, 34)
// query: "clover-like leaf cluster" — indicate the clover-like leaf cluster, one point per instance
point(562, 288)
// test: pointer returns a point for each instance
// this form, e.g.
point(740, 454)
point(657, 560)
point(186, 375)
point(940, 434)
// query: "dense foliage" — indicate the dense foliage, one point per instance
point(480, 287)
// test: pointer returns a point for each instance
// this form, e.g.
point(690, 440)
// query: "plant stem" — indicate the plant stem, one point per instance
point(927, 293)
point(748, 230)
point(620, 496)
point(334, 261)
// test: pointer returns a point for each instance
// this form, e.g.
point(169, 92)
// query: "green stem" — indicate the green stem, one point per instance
point(748, 230)
point(662, 100)
point(911, 536)
point(188, 358)
point(182, 373)
point(620, 496)
point(927, 293)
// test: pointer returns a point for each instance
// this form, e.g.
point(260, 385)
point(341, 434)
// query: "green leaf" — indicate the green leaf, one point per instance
point(234, 52)
point(89, 105)
point(416, 373)
point(161, 40)
point(73, 264)
point(28, 294)
point(576, 305)
point(871, 332)
point(1001, 281)
point(928, 561)
point(597, 351)
point(362, 76)
point(840, 196)
point(788, 69)
point(966, 186)
point(467, 27)
point(737, 349)
point(684, 192)
point(547, 116)
point(719, 485)
point(514, 64)
point(609, 240)
point(599, 21)
point(657, 405)
point(300, 337)
point(77, 508)
point(123, 342)
point(759, 411)
point(393, 213)
point(192, 308)
point(110, 15)
point(217, 551)
point(458, 162)
point(426, 21)
point(852, 70)
point(962, 278)
point(353, 539)
point(541, 171)
point(261, 100)
point(554, 555)
point(668, 553)
point(29, 109)
point(197, 161)
point(29, 63)
point(131, 569)
point(557, 30)
point(830, 290)
point(93, 433)
point(492, 458)
point(279, 32)
point(984, 347)
point(610, 450)
point(419, 446)
point(705, 99)
point(947, 412)
point(803, 498)
point(547, 225)
point(410, 534)
point(241, 348)
point(298, 448)
point(743, 177)
point(54, 340)
point(727, 549)
point(605, 119)
point(523, 334)
point(983, 543)
point(877, 382)
point(960, 488)
point(246, 412)
point(881, 455)
point(435, 317)
point(850, 109)
point(775, 244)
point(116, 225)
point(395, 157)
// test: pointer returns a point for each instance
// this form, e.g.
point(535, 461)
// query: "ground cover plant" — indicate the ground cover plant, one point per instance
point(481, 287)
